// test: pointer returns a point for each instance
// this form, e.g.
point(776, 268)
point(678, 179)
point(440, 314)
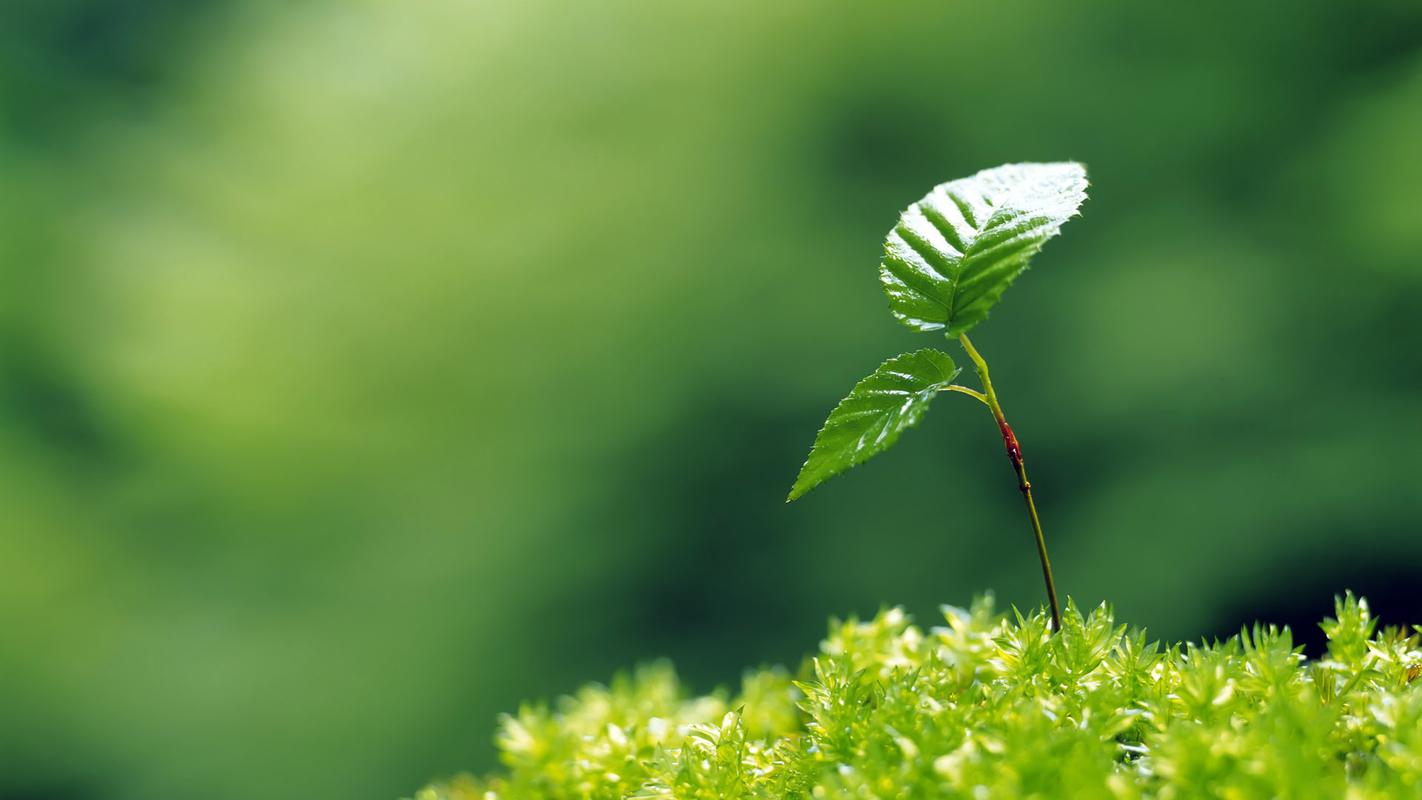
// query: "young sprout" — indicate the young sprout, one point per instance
point(946, 264)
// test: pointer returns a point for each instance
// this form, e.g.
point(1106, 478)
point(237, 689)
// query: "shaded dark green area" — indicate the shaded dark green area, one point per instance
point(366, 368)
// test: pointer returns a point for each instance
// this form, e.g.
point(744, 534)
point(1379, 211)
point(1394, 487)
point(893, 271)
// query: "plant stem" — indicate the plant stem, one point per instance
point(1014, 454)
point(973, 393)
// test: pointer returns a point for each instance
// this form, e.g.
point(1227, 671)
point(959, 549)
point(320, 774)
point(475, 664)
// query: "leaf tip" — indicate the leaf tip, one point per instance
point(800, 488)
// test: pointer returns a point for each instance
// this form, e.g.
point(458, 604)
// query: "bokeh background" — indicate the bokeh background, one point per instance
point(366, 367)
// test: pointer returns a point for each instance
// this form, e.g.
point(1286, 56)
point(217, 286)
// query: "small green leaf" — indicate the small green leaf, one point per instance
point(870, 419)
point(953, 253)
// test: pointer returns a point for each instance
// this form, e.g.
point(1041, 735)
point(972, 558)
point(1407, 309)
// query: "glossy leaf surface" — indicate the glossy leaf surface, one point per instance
point(870, 419)
point(953, 253)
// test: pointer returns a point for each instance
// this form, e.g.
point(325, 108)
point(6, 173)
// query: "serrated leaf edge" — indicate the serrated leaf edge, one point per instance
point(796, 491)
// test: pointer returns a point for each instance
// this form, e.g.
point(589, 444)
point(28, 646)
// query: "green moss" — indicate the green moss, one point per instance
point(987, 706)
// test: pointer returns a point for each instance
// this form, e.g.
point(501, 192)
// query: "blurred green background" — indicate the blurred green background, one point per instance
point(366, 367)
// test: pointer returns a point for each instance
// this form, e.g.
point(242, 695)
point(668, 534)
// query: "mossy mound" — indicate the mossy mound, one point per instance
point(992, 706)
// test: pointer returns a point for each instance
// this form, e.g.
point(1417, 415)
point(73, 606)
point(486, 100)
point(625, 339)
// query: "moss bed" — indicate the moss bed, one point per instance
point(989, 705)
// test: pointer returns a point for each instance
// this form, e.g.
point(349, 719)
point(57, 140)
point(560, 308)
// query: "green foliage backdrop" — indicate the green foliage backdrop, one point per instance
point(367, 367)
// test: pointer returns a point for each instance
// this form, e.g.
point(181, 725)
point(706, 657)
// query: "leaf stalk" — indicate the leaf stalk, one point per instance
point(973, 393)
point(1014, 454)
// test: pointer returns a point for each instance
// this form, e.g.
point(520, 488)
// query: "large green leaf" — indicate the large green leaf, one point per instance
point(870, 419)
point(954, 252)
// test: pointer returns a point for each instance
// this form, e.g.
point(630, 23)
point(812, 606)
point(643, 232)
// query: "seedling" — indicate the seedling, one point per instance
point(985, 705)
point(946, 264)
